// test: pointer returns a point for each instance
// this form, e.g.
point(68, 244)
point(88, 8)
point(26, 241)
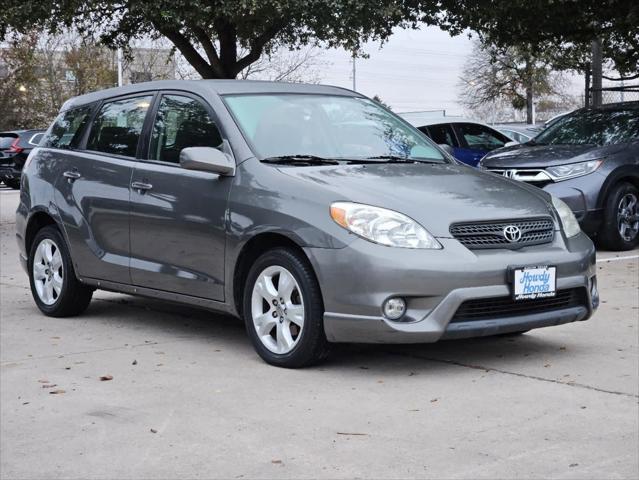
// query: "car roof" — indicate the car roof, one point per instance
point(216, 87)
point(425, 122)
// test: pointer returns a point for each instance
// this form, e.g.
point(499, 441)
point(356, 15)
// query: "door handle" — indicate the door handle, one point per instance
point(72, 175)
point(141, 187)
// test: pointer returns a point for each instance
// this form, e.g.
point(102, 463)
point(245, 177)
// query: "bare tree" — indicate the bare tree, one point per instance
point(498, 77)
point(283, 65)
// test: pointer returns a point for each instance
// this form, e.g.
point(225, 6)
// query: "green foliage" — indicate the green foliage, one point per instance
point(558, 30)
point(211, 34)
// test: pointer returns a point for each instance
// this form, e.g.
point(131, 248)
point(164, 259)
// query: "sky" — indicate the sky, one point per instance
point(415, 70)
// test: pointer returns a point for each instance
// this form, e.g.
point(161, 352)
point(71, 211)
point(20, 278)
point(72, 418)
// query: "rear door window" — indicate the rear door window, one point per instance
point(441, 134)
point(480, 137)
point(118, 125)
point(67, 129)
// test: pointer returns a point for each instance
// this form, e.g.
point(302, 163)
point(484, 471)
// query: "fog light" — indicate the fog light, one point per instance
point(394, 308)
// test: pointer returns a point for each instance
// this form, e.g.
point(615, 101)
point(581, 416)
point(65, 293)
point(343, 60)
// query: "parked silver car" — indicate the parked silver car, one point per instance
point(310, 211)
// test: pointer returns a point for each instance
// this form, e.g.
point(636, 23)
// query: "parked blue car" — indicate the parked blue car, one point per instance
point(469, 140)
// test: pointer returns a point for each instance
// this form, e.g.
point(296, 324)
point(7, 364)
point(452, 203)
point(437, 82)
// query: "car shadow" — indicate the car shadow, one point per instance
point(194, 324)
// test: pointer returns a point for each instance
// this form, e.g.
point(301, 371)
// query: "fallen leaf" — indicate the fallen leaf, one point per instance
point(434, 400)
point(106, 378)
point(153, 430)
point(57, 392)
point(49, 385)
point(276, 461)
point(135, 362)
point(547, 365)
point(67, 368)
point(573, 465)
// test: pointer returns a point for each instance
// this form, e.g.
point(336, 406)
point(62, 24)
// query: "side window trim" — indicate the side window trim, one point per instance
point(145, 156)
point(98, 106)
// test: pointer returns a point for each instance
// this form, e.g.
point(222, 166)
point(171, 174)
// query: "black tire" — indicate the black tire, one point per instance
point(13, 183)
point(610, 236)
point(312, 346)
point(74, 297)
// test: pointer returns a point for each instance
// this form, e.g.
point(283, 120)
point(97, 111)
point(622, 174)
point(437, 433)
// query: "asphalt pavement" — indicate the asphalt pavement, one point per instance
point(182, 394)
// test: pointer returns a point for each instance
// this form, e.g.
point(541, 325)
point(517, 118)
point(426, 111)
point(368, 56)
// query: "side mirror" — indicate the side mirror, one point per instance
point(447, 148)
point(206, 159)
point(511, 144)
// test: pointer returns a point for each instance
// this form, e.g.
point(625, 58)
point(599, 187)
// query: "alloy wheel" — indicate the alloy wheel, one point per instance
point(277, 309)
point(48, 271)
point(628, 217)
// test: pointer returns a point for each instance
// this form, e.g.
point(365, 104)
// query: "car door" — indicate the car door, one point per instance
point(93, 191)
point(178, 215)
point(477, 140)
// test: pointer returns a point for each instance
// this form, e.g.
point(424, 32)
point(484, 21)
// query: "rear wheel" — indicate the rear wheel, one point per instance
point(283, 310)
point(620, 230)
point(54, 286)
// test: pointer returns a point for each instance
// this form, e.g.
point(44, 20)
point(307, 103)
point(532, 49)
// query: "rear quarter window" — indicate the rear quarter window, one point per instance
point(66, 130)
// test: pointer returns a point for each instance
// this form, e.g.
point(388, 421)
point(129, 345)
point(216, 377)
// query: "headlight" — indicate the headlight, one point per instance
point(572, 170)
point(382, 226)
point(568, 220)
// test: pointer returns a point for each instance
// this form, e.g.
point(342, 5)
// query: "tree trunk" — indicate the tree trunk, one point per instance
point(529, 102)
point(530, 98)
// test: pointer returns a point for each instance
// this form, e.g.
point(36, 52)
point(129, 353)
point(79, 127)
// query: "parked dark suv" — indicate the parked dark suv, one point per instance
point(14, 149)
point(589, 159)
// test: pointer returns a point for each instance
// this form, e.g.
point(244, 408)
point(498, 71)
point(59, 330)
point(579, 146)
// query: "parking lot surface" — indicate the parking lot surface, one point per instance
point(189, 397)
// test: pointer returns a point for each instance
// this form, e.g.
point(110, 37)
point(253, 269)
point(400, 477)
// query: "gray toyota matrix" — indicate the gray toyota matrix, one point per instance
point(310, 211)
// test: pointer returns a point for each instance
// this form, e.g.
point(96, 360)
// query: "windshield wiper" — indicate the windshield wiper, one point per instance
point(300, 160)
point(393, 159)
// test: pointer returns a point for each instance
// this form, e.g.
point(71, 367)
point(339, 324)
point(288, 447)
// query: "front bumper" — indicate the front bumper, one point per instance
point(581, 195)
point(357, 279)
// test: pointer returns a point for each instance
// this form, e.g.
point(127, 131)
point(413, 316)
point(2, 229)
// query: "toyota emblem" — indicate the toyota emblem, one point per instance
point(512, 233)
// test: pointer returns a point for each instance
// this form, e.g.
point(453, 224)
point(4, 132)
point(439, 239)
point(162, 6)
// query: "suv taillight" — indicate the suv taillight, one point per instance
point(14, 146)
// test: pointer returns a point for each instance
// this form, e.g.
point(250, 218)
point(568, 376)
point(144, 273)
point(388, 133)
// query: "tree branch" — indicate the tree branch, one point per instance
point(190, 53)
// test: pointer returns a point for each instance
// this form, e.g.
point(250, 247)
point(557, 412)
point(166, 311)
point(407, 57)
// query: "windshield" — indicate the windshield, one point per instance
point(335, 127)
point(594, 127)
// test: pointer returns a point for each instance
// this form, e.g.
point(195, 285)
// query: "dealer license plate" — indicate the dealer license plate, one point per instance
point(534, 282)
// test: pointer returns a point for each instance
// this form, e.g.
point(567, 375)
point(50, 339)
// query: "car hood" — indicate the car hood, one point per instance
point(540, 156)
point(434, 195)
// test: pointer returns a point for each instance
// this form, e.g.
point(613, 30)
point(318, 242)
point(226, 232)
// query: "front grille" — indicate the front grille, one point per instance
point(499, 307)
point(478, 235)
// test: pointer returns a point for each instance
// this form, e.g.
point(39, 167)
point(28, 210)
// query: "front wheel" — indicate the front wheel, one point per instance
point(283, 310)
point(620, 230)
point(54, 286)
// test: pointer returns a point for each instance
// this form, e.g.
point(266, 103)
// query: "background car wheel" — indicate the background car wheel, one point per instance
point(54, 286)
point(13, 183)
point(283, 310)
point(620, 230)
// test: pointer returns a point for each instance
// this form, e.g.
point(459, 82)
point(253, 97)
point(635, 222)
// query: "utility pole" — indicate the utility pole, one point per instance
point(119, 67)
point(597, 72)
point(354, 74)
